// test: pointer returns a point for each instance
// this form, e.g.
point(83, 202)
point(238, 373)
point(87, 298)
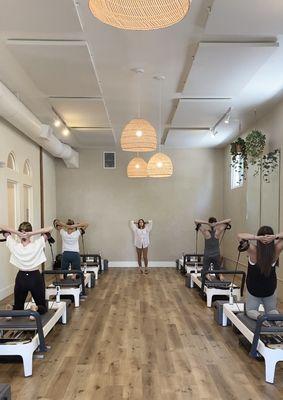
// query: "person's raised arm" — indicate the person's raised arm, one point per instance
point(133, 224)
point(149, 225)
point(41, 231)
point(59, 224)
point(82, 225)
point(200, 222)
point(10, 230)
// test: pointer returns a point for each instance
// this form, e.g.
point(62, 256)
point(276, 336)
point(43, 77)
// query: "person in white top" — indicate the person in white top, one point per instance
point(70, 234)
point(141, 231)
point(27, 256)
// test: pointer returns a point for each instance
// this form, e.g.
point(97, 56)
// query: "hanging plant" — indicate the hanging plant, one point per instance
point(269, 163)
point(255, 143)
point(239, 159)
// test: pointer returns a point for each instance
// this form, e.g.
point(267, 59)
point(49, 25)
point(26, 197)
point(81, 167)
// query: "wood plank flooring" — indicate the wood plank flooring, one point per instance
point(143, 338)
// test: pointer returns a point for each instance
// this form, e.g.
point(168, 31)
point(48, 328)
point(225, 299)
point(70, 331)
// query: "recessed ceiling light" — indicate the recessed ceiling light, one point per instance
point(66, 132)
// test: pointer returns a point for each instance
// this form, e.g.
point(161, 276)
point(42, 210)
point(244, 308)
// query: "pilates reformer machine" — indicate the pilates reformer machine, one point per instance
point(211, 289)
point(76, 288)
point(22, 337)
point(92, 263)
point(189, 263)
point(265, 341)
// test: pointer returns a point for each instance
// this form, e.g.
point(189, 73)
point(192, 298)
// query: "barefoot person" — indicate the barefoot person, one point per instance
point(212, 231)
point(141, 231)
point(27, 255)
point(263, 251)
point(70, 234)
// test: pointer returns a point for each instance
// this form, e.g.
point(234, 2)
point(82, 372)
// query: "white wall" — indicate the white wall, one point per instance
point(235, 200)
point(23, 148)
point(108, 199)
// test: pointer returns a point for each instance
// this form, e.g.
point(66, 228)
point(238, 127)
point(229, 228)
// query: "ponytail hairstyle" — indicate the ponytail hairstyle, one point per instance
point(265, 253)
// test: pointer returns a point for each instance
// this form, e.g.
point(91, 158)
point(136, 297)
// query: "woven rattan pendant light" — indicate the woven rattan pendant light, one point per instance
point(160, 165)
point(138, 135)
point(141, 15)
point(137, 168)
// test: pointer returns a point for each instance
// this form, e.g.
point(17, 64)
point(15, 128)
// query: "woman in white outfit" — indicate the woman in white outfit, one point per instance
point(141, 231)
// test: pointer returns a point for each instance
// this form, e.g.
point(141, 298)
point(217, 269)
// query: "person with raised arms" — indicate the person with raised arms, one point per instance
point(27, 255)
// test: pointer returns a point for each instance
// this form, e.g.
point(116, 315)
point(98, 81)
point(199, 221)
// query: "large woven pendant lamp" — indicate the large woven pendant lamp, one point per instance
point(140, 14)
point(137, 168)
point(138, 135)
point(160, 165)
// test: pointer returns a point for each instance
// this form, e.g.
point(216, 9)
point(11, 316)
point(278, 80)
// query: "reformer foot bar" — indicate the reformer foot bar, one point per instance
point(253, 330)
point(217, 287)
point(190, 263)
point(41, 326)
point(67, 287)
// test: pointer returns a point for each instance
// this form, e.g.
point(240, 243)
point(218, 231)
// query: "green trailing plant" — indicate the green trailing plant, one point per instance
point(239, 159)
point(251, 151)
point(269, 163)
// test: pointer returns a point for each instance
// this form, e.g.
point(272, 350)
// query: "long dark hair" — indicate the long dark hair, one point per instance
point(141, 220)
point(212, 220)
point(265, 253)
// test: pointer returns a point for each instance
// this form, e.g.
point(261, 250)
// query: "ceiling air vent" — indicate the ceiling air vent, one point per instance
point(109, 160)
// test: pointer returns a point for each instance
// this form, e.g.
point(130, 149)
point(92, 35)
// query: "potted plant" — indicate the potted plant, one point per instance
point(239, 157)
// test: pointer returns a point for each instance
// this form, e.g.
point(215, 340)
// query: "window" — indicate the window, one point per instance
point(11, 162)
point(12, 204)
point(27, 169)
point(27, 193)
point(237, 173)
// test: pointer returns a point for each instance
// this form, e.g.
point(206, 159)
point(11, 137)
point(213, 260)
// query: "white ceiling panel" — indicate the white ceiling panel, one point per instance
point(246, 17)
point(90, 138)
point(28, 16)
point(223, 69)
point(183, 138)
point(81, 112)
point(57, 68)
point(199, 112)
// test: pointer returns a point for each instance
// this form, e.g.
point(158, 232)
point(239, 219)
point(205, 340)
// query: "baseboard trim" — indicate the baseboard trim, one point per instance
point(132, 264)
point(7, 291)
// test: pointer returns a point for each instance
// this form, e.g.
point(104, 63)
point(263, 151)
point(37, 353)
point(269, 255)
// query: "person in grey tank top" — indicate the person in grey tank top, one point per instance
point(212, 231)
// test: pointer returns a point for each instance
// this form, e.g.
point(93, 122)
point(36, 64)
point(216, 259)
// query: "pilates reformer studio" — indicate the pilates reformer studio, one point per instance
point(141, 200)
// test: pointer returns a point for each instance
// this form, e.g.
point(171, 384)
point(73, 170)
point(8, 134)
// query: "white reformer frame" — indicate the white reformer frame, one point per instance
point(26, 350)
point(271, 356)
point(67, 291)
point(210, 291)
point(92, 269)
point(197, 267)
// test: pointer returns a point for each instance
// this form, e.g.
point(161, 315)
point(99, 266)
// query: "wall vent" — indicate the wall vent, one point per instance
point(109, 160)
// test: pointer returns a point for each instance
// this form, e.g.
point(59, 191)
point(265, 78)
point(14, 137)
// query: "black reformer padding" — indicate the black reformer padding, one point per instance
point(68, 271)
point(32, 325)
point(187, 258)
point(224, 272)
point(259, 329)
point(96, 261)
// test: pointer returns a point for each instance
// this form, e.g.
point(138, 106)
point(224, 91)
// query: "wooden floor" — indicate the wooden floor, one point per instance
point(143, 338)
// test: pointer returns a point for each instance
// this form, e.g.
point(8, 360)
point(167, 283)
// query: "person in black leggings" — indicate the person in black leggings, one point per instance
point(212, 231)
point(27, 256)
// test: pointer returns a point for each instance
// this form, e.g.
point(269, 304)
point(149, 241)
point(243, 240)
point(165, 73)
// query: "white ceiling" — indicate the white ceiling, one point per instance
point(59, 59)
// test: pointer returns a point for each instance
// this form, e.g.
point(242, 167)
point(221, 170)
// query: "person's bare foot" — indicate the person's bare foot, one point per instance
point(221, 278)
point(146, 271)
point(33, 307)
point(140, 271)
point(9, 308)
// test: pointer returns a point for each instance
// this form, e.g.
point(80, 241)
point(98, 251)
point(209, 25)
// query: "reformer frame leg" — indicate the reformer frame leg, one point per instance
point(209, 298)
point(191, 282)
point(27, 362)
point(270, 365)
point(77, 299)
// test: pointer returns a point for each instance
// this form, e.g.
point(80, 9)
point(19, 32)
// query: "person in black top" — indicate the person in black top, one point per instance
point(263, 251)
point(212, 231)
